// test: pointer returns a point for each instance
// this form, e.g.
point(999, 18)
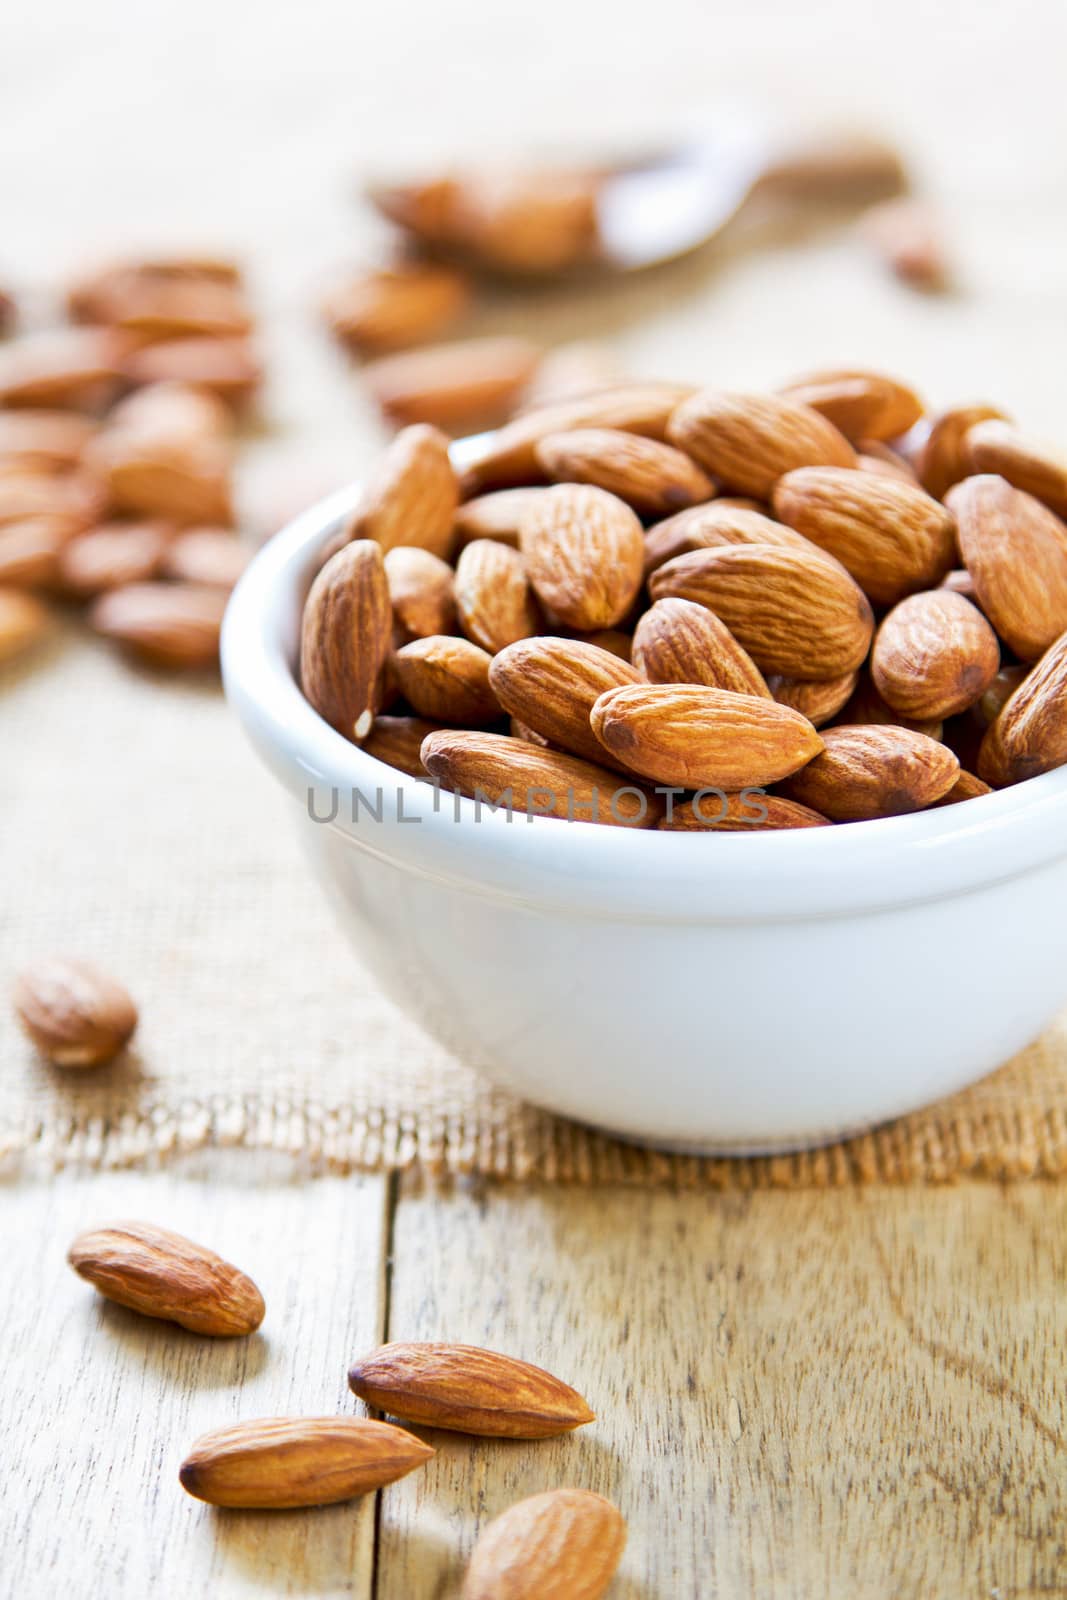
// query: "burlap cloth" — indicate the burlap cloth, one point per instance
point(138, 829)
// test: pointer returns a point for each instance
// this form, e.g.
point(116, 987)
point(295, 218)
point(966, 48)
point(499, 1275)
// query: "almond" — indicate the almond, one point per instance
point(934, 655)
point(76, 1015)
point(795, 614)
point(890, 535)
point(495, 516)
point(510, 456)
point(44, 441)
point(169, 412)
point(213, 556)
point(228, 368)
point(867, 772)
point(867, 706)
point(966, 787)
point(862, 405)
point(454, 386)
point(747, 442)
point(517, 775)
point(75, 497)
point(346, 637)
point(447, 680)
point(165, 624)
point(30, 550)
point(99, 295)
point(584, 553)
point(654, 478)
point(280, 1463)
point(678, 641)
point(562, 1545)
point(23, 624)
point(75, 368)
point(714, 811)
point(1016, 551)
point(112, 555)
point(396, 307)
point(1030, 734)
point(681, 733)
point(183, 480)
point(959, 581)
point(398, 741)
point(1000, 692)
point(711, 526)
point(615, 640)
point(1040, 470)
point(161, 1274)
point(940, 460)
point(551, 685)
point(876, 457)
point(422, 591)
point(907, 234)
point(493, 598)
point(819, 702)
point(411, 498)
point(180, 308)
point(469, 1390)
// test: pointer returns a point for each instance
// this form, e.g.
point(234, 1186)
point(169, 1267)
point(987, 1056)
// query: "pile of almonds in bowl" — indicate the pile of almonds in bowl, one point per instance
point(696, 610)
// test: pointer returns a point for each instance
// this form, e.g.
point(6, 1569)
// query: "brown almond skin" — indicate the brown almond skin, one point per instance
point(69, 368)
point(514, 773)
point(281, 1463)
point(346, 638)
point(185, 480)
point(422, 590)
point(76, 1014)
point(746, 442)
point(552, 684)
point(24, 623)
point(497, 515)
point(1000, 692)
point(494, 601)
point(997, 447)
point(819, 702)
point(678, 641)
point(966, 787)
point(795, 614)
point(412, 496)
point(685, 734)
point(468, 1390)
point(584, 552)
point(447, 680)
point(890, 535)
point(874, 771)
point(866, 705)
point(206, 555)
point(475, 382)
point(652, 477)
point(1015, 549)
point(396, 307)
point(114, 554)
point(228, 368)
point(162, 1274)
point(398, 742)
point(934, 656)
point(511, 458)
point(1029, 736)
point(862, 405)
point(31, 550)
point(565, 1544)
point(44, 440)
point(876, 457)
point(710, 526)
point(751, 811)
point(959, 581)
point(174, 625)
point(940, 459)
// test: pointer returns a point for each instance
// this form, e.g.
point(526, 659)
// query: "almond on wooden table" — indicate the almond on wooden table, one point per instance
point(411, 498)
point(76, 1014)
point(565, 1544)
point(398, 742)
point(1040, 470)
point(447, 680)
point(862, 405)
point(1029, 736)
point(551, 685)
point(584, 552)
point(282, 1463)
point(874, 771)
point(522, 777)
point(940, 458)
point(395, 307)
point(114, 554)
point(746, 442)
point(162, 1274)
point(678, 641)
point(346, 637)
point(934, 655)
point(652, 477)
point(494, 601)
point(796, 614)
point(751, 811)
point(1015, 549)
point(24, 622)
point(165, 624)
point(475, 382)
point(681, 733)
point(890, 535)
point(467, 1389)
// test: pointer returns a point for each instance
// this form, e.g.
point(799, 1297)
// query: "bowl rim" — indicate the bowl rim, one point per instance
point(549, 863)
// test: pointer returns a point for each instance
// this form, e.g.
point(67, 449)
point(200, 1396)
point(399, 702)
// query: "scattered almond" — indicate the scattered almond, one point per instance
point(212, 556)
point(907, 234)
point(114, 554)
point(75, 368)
point(867, 772)
point(76, 1015)
point(453, 386)
point(562, 1545)
point(571, 371)
point(44, 441)
point(161, 1274)
point(24, 622)
point(228, 368)
point(31, 550)
point(281, 1463)
point(396, 307)
point(164, 624)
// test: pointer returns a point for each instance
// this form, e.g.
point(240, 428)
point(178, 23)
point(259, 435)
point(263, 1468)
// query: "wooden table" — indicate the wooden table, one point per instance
point(855, 1393)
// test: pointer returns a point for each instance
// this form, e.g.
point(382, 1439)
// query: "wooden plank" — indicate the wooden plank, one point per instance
point(828, 1393)
point(98, 1405)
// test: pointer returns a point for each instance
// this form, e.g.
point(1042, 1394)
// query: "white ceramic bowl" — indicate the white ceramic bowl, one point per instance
point(720, 992)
